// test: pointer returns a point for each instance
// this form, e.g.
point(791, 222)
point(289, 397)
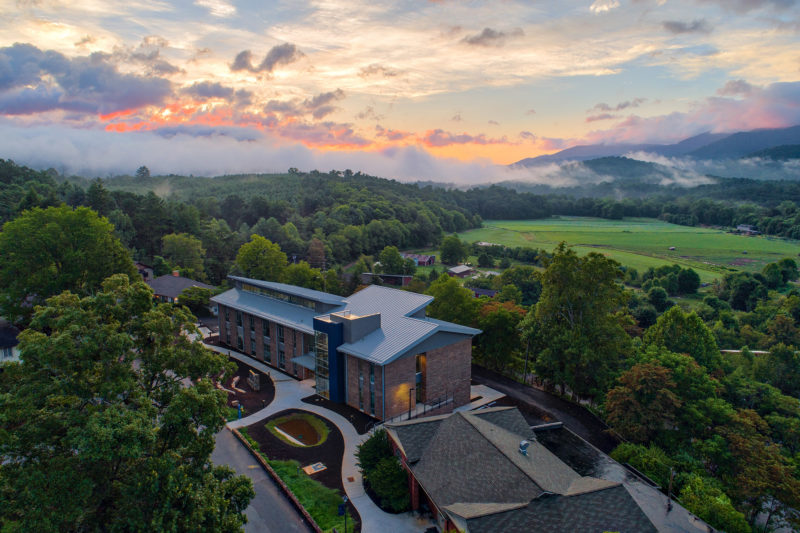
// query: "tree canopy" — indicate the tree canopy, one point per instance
point(99, 430)
point(261, 259)
point(46, 251)
point(574, 329)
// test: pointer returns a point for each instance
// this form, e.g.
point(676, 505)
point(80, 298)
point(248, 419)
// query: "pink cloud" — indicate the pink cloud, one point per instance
point(774, 106)
point(438, 138)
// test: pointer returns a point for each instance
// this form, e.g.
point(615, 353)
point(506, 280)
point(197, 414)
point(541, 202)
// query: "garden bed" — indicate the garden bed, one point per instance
point(278, 451)
point(250, 400)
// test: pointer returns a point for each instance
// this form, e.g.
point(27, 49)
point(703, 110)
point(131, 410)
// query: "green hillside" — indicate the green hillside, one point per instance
point(642, 243)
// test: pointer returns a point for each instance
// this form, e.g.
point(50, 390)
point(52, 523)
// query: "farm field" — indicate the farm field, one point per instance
point(641, 243)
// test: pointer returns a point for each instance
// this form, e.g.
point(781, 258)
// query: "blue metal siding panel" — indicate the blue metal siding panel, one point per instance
point(336, 378)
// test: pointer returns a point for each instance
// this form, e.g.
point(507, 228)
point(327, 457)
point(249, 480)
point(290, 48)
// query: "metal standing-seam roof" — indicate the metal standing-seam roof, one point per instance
point(399, 332)
point(302, 292)
point(285, 313)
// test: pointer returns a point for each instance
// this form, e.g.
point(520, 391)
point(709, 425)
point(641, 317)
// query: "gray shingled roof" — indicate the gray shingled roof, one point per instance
point(310, 294)
point(294, 316)
point(461, 465)
point(470, 465)
point(171, 286)
point(610, 509)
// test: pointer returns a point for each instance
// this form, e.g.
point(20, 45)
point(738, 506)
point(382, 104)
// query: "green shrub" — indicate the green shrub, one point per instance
point(390, 483)
point(383, 473)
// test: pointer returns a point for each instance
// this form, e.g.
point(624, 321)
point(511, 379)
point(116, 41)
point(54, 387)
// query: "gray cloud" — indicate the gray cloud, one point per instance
point(369, 113)
point(282, 54)
point(695, 26)
point(32, 81)
point(490, 37)
point(744, 6)
point(318, 106)
point(602, 106)
point(377, 70)
point(601, 116)
point(206, 89)
point(736, 88)
point(527, 135)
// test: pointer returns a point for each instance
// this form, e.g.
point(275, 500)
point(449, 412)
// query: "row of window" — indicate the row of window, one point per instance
point(266, 328)
point(279, 295)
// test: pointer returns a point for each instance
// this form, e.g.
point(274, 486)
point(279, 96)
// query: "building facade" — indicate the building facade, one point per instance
point(374, 350)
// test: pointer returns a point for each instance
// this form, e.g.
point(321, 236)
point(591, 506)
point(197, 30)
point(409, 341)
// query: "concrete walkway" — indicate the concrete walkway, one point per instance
point(288, 395)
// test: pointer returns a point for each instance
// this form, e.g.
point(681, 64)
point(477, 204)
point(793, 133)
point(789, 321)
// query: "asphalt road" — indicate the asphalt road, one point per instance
point(576, 418)
point(270, 511)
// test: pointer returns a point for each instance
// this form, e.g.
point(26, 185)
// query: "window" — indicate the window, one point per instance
point(228, 337)
point(291, 298)
point(372, 389)
point(420, 377)
point(280, 333)
point(281, 359)
point(252, 323)
point(239, 343)
point(360, 387)
point(267, 352)
point(252, 347)
point(227, 314)
point(321, 365)
point(265, 328)
point(238, 318)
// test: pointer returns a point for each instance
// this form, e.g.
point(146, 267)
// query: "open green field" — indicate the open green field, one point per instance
point(642, 243)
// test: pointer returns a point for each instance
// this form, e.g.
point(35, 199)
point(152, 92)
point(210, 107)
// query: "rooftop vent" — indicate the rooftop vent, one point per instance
point(523, 447)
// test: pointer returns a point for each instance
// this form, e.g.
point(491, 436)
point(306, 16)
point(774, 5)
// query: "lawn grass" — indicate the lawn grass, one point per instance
point(321, 502)
point(641, 243)
point(315, 422)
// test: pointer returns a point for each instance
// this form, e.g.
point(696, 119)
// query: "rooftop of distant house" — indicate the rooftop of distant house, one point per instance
point(172, 285)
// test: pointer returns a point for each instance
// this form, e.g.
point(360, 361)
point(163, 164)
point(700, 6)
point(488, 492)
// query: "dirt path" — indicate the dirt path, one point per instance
point(574, 417)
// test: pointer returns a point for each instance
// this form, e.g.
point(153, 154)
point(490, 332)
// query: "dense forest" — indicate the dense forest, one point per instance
point(353, 214)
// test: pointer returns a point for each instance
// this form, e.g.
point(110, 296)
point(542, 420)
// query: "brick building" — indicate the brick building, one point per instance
point(374, 350)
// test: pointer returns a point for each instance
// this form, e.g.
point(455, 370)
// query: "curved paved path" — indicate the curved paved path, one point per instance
point(288, 395)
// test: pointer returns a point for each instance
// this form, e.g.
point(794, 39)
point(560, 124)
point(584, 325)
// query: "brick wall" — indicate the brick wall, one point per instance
point(293, 343)
point(449, 372)
point(400, 376)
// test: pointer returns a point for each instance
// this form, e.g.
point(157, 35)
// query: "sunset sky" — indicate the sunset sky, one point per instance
point(397, 88)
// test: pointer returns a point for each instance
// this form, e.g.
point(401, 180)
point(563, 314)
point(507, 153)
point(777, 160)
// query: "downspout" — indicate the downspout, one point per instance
point(345, 379)
point(383, 393)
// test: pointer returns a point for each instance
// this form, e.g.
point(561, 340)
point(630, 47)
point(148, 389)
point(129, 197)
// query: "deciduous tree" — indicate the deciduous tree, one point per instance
point(98, 431)
point(642, 404)
point(261, 259)
point(575, 330)
point(46, 251)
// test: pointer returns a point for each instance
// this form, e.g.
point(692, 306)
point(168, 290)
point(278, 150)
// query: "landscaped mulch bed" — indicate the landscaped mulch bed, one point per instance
point(251, 400)
point(361, 421)
point(328, 453)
